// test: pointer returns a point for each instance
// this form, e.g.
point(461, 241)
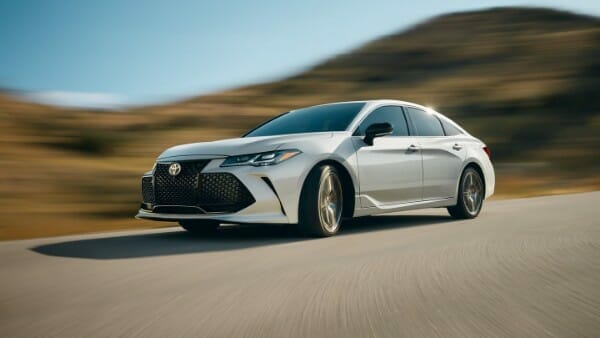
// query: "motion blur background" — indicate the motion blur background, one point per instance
point(92, 92)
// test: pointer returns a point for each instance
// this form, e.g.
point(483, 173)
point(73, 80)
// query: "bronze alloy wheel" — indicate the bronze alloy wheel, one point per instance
point(330, 201)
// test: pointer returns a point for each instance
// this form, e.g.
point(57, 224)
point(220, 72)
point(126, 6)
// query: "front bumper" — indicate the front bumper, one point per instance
point(275, 191)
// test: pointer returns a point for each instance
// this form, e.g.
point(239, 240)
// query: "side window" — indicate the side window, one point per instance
point(450, 129)
point(390, 114)
point(425, 123)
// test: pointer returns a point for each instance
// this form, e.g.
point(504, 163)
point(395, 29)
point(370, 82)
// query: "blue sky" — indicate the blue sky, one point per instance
point(108, 53)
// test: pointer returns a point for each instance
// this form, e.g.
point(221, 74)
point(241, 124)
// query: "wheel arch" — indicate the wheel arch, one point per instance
point(348, 185)
point(477, 167)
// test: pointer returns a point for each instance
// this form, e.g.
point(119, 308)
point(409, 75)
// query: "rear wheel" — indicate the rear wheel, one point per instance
point(321, 202)
point(470, 195)
point(200, 227)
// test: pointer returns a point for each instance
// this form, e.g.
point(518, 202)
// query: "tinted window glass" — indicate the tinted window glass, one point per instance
point(425, 123)
point(450, 129)
point(390, 114)
point(331, 117)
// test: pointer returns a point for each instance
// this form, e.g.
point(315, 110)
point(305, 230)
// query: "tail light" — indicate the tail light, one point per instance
point(487, 151)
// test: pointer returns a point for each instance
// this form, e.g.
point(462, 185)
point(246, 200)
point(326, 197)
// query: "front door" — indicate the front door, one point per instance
point(390, 170)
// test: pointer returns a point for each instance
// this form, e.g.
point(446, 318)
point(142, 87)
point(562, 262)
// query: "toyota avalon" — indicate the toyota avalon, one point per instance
point(315, 167)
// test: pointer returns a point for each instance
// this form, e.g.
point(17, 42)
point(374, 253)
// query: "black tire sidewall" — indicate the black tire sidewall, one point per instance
point(309, 222)
point(461, 203)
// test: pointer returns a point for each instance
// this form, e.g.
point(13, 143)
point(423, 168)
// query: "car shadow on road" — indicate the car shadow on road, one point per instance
point(165, 243)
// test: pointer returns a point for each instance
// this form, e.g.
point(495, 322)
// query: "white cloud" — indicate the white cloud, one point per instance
point(77, 99)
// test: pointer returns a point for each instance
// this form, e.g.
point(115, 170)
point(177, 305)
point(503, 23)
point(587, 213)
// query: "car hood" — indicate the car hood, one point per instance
point(238, 146)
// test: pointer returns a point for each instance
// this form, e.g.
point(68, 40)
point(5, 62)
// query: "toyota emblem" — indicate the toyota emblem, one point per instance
point(174, 169)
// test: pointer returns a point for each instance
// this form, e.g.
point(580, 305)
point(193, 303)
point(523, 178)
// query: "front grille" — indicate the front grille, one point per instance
point(147, 190)
point(177, 190)
point(211, 192)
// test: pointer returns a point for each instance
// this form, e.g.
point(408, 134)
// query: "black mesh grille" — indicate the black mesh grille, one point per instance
point(222, 192)
point(212, 192)
point(180, 189)
point(147, 190)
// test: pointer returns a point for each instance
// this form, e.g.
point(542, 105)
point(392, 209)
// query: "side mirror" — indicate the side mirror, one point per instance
point(377, 130)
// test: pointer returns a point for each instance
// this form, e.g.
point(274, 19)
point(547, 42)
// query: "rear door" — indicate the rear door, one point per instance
point(442, 155)
point(389, 170)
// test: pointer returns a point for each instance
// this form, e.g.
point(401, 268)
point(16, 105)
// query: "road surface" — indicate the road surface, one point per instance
point(527, 267)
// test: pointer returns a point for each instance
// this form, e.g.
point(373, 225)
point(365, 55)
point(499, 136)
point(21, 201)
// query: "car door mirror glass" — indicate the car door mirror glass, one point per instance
point(377, 130)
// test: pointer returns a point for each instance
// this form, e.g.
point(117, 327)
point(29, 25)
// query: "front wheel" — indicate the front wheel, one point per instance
point(200, 227)
point(321, 202)
point(470, 195)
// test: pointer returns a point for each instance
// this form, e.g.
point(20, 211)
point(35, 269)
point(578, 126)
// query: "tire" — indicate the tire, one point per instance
point(200, 227)
point(321, 203)
point(471, 193)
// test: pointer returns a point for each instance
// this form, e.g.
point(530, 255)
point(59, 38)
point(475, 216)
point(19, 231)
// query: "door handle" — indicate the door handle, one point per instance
point(412, 148)
point(457, 146)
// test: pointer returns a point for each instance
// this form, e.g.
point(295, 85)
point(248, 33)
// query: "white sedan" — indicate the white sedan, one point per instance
point(317, 166)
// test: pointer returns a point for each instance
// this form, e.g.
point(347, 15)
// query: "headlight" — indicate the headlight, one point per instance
point(261, 159)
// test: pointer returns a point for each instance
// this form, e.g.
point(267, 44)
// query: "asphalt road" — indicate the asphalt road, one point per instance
point(528, 267)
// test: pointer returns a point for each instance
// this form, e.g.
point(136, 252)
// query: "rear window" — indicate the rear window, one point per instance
point(425, 124)
point(450, 129)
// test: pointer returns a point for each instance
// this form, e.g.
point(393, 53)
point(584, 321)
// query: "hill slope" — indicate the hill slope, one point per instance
point(525, 80)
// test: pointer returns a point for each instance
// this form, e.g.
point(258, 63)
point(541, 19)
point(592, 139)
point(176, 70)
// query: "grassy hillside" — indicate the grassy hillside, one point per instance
point(524, 80)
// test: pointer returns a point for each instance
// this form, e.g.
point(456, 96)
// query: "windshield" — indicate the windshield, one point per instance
point(330, 117)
